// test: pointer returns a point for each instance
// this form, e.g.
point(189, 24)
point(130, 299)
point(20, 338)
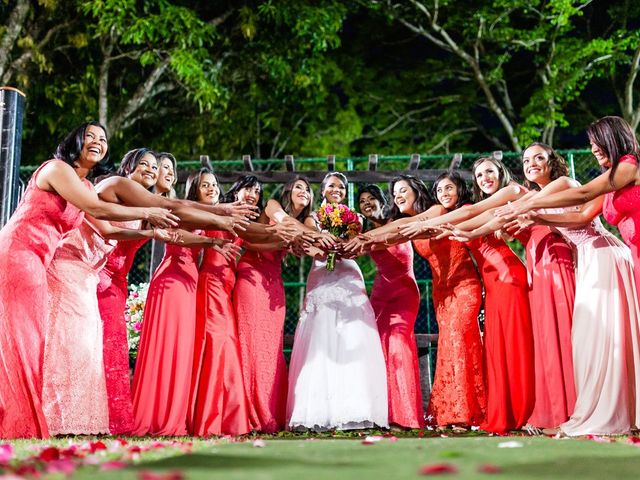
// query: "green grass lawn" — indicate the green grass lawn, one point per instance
point(283, 459)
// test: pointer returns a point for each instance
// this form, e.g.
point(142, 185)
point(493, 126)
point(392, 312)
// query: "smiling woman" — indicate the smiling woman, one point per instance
point(54, 203)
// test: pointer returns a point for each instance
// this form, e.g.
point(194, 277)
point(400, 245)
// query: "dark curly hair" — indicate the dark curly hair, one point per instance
point(376, 192)
point(245, 181)
point(423, 198)
point(70, 148)
point(557, 164)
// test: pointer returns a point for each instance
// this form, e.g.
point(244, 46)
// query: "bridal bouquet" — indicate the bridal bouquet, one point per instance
point(133, 316)
point(338, 220)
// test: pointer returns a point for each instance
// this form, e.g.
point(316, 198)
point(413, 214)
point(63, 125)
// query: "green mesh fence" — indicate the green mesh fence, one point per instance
point(583, 168)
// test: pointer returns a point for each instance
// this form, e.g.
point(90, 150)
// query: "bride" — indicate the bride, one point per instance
point(337, 374)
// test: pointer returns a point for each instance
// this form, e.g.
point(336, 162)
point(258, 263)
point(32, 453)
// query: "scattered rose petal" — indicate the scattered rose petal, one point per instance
point(437, 469)
point(489, 468)
point(512, 444)
point(633, 440)
point(10, 476)
point(49, 454)
point(148, 475)
point(135, 449)
point(392, 438)
point(474, 428)
point(599, 439)
point(96, 446)
point(61, 466)
point(421, 433)
point(113, 465)
point(444, 436)
point(6, 452)
point(259, 443)
point(371, 439)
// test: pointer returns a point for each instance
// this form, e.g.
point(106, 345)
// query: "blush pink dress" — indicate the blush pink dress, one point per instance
point(112, 298)
point(75, 403)
point(458, 395)
point(219, 402)
point(27, 245)
point(259, 304)
point(622, 208)
point(395, 299)
point(162, 377)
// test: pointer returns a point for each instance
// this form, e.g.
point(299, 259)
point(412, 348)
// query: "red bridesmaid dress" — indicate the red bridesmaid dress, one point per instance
point(259, 304)
point(552, 287)
point(458, 395)
point(622, 208)
point(218, 399)
point(27, 244)
point(164, 366)
point(112, 299)
point(508, 338)
point(396, 316)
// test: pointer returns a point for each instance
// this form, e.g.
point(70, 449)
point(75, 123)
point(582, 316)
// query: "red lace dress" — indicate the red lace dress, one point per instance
point(552, 286)
point(395, 299)
point(112, 298)
point(622, 208)
point(458, 395)
point(75, 403)
point(508, 338)
point(164, 366)
point(27, 245)
point(259, 304)
point(219, 402)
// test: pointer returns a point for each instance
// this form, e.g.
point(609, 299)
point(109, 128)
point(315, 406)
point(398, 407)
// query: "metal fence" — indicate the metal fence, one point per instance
point(582, 164)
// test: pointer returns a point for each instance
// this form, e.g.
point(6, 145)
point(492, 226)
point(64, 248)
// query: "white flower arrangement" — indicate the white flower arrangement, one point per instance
point(133, 315)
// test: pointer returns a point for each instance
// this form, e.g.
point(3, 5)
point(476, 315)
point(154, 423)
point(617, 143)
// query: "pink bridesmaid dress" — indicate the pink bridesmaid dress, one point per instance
point(75, 403)
point(395, 299)
point(219, 403)
point(162, 377)
point(458, 395)
point(622, 208)
point(259, 304)
point(552, 285)
point(112, 299)
point(27, 245)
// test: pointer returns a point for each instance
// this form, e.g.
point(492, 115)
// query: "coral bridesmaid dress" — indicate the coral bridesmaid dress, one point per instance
point(395, 299)
point(606, 335)
point(27, 245)
point(622, 208)
point(75, 403)
point(552, 285)
point(458, 395)
point(259, 304)
point(164, 365)
point(508, 337)
point(112, 299)
point(219, 402)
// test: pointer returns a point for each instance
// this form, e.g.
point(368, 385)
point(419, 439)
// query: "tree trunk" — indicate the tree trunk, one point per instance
point(13, 27)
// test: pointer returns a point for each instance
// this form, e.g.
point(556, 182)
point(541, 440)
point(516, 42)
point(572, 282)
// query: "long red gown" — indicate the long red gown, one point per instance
point(218, 399)
point(27, 245)
point(259, 304)
point(552, 287)
point(112, 299)
point(164, 366)
point(396, 316)
point(622, 209)
point(458, 395)
point(508, 338)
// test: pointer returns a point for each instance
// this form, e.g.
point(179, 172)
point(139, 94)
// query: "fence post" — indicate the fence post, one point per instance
point(11, 114)
point(572, 167)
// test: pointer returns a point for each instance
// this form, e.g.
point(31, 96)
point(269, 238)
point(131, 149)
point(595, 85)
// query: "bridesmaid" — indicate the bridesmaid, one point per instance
point(395, 316)
point(259, 306)
point(53, 204)
point(164, 366)
point(218, 402)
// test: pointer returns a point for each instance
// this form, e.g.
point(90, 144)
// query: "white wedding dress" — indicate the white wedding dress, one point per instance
point(337, 373)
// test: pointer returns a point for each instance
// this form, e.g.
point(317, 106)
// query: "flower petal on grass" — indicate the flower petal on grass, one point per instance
point(259, 443)
point(61, 466)
point(633, 441)
point(512, 444)
point(6, 452)
point(371, 439)
point(113, 465)
point(149, 475)
point(489, 468)
point(437, 469)
point(49, 454)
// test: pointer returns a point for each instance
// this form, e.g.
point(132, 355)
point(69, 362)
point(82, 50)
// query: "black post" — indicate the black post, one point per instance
point(11, 114)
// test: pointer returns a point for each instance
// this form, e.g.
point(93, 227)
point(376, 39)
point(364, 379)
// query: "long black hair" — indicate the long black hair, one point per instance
point(376, 192)
point(615, 138)
point(70, 148)
point(245, 181)
point(286, 201)
point(423, 198)
point(464, 195)
point(131, 159)
point(326, 178)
